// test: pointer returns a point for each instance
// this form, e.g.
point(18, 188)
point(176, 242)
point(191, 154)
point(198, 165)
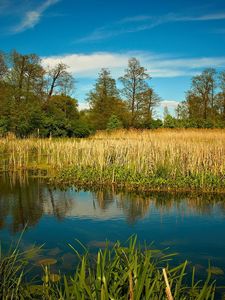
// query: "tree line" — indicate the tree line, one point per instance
point(37, 100)
point(205, 101)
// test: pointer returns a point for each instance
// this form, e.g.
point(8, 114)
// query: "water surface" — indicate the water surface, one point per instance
point(191, 225)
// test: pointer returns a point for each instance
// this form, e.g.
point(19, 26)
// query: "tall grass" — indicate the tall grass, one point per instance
point(162, 158)
point(12, 272)
point(122, 272)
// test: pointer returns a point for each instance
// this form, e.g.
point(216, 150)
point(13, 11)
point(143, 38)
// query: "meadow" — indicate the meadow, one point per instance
point(150, 159)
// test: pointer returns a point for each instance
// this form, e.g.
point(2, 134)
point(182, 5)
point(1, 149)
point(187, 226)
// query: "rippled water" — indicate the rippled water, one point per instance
point(191, 225)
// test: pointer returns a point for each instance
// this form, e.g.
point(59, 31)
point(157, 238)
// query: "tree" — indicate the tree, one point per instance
point(114, 123)
point(221, 95)
point(4, 97)
point(24, 84)
point(134, 85)
point(59, 80)
point(60, 115)
point(148, 101)
point(166, 112)
point(26, 76)
point(3, 66)
point(182, 111)
point(203, 90)
point(104, 100)
point(168, 120)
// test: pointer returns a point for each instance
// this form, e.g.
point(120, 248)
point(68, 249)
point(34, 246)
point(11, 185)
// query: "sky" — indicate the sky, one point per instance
point(173, 39)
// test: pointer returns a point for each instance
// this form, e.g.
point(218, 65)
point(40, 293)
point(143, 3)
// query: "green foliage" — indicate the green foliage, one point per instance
point(170, 122)
point(155, 124)
point(4, 125)
point(163, 177)
point(205, 102)
point(140, 98)
point(80, 130)
point(104, 101)
point(114, 123)
point(12, 272)
point(35, 101)
point(120, 272)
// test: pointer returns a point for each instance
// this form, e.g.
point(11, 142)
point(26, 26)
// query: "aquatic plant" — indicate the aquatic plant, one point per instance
point(120, 272)
point(12, 271)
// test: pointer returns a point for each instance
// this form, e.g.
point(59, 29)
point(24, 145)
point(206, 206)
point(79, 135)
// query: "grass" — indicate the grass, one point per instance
point(120, 272)
point(147, 160)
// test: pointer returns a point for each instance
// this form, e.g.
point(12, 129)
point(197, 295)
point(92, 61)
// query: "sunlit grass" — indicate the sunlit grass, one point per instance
point(160, 158)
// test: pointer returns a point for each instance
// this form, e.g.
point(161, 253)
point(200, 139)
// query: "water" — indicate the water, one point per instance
point(191, 225)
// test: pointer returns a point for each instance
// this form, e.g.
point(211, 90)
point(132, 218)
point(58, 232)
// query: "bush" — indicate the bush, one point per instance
point(80, 130)
point(170, 122)
point(114, 123)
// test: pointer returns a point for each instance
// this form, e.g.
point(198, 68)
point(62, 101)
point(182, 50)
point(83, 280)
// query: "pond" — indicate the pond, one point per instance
point(192, 225)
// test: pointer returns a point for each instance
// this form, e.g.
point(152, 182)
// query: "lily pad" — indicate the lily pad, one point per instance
point(47, 261)
point(215, 271)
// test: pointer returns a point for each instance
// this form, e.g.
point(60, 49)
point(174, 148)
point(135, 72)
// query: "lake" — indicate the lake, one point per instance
point(189, 224)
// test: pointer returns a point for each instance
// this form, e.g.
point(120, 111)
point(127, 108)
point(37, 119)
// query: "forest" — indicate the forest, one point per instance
point(38, 101)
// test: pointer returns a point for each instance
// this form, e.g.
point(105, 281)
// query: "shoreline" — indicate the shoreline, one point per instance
point(66, 179)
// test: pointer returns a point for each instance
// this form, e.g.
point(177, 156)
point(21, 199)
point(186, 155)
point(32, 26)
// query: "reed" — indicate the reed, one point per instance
point(121, 272)
point(150, 159)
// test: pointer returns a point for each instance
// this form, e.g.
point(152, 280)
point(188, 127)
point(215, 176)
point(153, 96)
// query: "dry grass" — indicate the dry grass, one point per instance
point(160, 153)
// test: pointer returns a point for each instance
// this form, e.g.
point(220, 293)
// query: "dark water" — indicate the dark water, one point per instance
point(191, 225)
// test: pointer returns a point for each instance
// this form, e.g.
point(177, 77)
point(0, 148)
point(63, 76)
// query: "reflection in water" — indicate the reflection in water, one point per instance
point(23, 201)
point(191, 225)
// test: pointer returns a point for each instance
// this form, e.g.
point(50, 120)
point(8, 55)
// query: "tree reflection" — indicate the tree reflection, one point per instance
point(23, 203)
point(24, 200)
point(137, 205)
point(58, 206)
point(104, 197)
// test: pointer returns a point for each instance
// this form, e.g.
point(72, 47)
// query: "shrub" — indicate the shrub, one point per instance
point(114, 123)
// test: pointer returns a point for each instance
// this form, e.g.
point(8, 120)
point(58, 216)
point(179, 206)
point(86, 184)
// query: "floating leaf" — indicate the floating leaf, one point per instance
point(47, 261)
point(215, 271)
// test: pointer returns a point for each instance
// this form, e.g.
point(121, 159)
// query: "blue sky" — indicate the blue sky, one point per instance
point(173, 39)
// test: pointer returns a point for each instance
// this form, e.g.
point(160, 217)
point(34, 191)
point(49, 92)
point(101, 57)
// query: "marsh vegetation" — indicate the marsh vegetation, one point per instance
point(118, 272)
point(161, 159)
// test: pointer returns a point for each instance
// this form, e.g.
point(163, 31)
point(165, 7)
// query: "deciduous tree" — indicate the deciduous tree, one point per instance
point(134, 86)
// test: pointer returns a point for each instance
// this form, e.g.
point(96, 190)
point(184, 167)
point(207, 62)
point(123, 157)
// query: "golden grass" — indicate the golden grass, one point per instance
point(146, 152)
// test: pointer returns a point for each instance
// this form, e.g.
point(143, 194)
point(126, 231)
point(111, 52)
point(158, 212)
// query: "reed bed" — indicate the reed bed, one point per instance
point(160, 158)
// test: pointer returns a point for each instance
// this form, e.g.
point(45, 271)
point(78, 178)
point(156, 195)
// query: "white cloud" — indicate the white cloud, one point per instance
point(83, 105)
point(158, 65)
point(32, 17)
point(88, 65)
point(209, 17)
point(169, 103)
